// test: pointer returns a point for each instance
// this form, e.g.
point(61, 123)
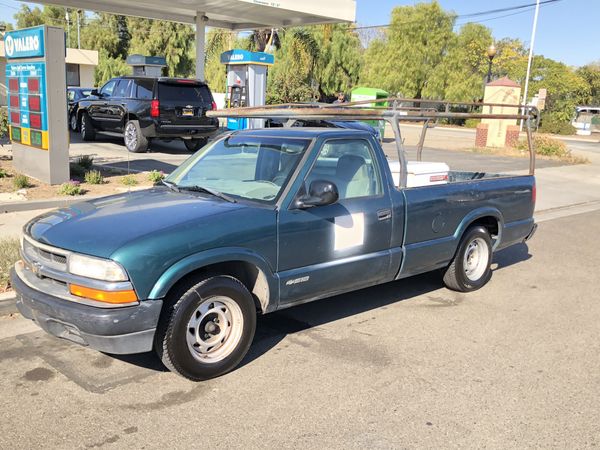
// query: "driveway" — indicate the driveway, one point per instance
point(408, 364)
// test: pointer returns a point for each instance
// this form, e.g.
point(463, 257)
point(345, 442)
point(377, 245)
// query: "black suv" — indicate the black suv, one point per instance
point(144, 108)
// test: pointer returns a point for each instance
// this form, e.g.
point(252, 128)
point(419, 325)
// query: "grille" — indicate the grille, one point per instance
point(45, 257)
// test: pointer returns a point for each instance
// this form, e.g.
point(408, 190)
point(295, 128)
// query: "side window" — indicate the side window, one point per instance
point(351, 165)
point(108, 88)
point(122, 89)
point(144, 89)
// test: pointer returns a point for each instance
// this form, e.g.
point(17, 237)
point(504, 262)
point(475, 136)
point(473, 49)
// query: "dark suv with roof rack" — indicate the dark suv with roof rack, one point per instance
point(143, 108)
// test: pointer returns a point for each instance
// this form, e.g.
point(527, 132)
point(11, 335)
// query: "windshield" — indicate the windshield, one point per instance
point(254, 168)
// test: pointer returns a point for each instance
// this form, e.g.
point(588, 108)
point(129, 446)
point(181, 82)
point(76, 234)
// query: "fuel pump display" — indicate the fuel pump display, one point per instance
point(246, 83)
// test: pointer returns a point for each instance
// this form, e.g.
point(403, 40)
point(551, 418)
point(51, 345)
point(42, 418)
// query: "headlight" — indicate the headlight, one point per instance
point(100, 269)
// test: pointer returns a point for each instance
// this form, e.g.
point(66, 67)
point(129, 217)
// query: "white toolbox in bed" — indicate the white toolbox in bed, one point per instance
point(421, 173)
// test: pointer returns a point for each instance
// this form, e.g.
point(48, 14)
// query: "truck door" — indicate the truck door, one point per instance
point(344, 246)
point(118, 105)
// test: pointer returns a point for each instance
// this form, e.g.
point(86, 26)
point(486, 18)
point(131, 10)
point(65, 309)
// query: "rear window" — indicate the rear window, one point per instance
point(182, 92)
point(144, 89)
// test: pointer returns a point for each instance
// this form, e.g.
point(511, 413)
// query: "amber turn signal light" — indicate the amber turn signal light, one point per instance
point(103, 296)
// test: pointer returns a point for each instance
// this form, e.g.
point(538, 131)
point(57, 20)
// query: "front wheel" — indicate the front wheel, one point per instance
point(88, 133)
point(205, 331)
point(195, 144)
point(73, 122)
point(471, 267)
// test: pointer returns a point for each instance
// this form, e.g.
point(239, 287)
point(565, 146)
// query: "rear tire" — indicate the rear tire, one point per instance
point(193, 145)
point(206, 330)
point(135, 141)
point(471, 267)
point(87, 130)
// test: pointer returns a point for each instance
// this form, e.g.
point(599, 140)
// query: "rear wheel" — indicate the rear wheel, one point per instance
point(471, 267)
point(87, 130)
point(205, 331)
point(195, 144)
point(135, 141)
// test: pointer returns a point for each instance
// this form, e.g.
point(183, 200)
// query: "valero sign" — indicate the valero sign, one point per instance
point(25, 43)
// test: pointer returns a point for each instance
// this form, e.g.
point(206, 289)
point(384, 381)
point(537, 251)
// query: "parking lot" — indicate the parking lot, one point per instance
point(405, 365)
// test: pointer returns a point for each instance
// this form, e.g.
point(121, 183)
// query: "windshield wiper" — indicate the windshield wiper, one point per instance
point(206, 190)
point(170, 185)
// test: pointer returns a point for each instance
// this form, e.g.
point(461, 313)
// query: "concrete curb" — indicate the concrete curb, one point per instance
point(30, 205)
point(8, 303)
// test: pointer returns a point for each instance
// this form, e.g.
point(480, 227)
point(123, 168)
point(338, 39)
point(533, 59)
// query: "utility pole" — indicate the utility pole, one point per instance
point(78, 31)
point(530, 61)
point(68, 27)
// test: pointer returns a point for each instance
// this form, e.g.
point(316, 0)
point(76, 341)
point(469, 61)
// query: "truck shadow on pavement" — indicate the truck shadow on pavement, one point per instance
point(273, 328)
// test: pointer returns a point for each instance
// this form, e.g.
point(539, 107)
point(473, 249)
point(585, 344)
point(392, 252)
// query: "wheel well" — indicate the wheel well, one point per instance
point(247, 273)
point(130, 117)
point(490, 223)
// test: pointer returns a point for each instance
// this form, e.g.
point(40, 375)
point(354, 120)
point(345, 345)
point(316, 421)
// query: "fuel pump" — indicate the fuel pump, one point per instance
point(246, 83)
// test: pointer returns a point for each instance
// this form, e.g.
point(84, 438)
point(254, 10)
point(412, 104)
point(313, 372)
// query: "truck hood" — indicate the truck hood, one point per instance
point(99, 227)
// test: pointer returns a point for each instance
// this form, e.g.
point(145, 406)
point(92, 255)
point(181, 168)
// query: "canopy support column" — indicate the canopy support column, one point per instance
point(200, 44)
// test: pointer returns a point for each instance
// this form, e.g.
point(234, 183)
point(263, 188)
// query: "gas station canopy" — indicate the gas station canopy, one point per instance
point(229, 14)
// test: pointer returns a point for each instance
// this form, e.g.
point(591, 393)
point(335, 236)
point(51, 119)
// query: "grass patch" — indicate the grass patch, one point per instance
point(3, 173)
point(94, 177)
point(9, 255)
point(71, 188)
point(20, 181)
point(129, 180)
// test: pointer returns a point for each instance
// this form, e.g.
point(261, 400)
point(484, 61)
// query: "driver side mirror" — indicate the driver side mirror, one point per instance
point(95, 93)
point(320, 193)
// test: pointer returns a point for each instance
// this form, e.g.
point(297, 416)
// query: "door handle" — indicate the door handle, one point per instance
point(384, 214)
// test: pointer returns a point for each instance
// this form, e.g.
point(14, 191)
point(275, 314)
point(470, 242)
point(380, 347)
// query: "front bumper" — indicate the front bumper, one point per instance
point(111, 330)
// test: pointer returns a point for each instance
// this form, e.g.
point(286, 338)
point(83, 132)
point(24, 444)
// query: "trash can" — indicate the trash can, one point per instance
point(367, 93)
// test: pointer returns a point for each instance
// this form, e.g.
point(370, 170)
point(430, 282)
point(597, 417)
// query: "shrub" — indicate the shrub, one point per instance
point(553, 125)
point(85, 161)
point(472, 123)
point(547, 146)
point(155, 176)
point(70, 188)
point(76, 170)
point(21, 182)
point(3, 173)
point(9, 255)
point(94, 177)
point(129, 180)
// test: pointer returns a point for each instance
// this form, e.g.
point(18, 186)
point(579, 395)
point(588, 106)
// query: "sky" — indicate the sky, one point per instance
point(568, 30)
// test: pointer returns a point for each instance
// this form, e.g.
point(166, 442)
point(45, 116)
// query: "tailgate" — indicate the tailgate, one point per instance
point(184, 102)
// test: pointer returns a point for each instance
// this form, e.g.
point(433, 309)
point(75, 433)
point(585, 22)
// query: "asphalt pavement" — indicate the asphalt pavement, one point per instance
point(408, 364)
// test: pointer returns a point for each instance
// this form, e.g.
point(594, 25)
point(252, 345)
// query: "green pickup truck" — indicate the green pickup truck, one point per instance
point(256, 221)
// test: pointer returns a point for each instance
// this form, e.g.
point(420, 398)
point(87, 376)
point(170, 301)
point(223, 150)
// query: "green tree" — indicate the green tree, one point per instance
point(461, 74)
point(338, 62)
point(591, 74)
point(107, 32)
point(174, 41)
point(27, 17)
point(412, 49)
point(109, 67)
point(53, 16)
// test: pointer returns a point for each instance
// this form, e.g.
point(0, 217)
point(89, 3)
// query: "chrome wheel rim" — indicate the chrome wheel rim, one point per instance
point(73, 122)
point(214, 329)
point(476, 258)
point(130, 136)
point(83, 126)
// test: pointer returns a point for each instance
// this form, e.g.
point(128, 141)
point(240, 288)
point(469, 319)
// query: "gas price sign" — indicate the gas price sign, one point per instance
point(28, 112)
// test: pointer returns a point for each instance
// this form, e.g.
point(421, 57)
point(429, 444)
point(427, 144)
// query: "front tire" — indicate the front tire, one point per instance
point(194, 145)
point(135, 141)
point(471, 267)
point(88, 132)
point(207, 330)
point(73, 122)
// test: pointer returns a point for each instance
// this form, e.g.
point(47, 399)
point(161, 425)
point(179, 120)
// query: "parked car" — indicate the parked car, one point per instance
point(74, 94)
point(144, 108)
point(260, 221)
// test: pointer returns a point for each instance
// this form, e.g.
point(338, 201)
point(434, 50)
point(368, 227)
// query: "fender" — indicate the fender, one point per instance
point(208, 257)
point(478, 214)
